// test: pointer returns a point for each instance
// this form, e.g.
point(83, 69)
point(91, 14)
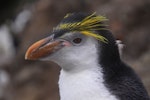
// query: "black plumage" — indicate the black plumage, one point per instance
point(119, 78)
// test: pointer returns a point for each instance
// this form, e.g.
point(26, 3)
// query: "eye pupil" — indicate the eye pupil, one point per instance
point(77, 40)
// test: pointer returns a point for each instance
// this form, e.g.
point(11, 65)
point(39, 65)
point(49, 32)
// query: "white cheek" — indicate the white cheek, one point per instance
point(75, 55)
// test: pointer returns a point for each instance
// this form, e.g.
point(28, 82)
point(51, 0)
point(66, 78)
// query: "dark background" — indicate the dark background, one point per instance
point(22, 22)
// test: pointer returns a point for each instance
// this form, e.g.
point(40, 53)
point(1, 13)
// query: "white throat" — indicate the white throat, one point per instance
point(84, 85)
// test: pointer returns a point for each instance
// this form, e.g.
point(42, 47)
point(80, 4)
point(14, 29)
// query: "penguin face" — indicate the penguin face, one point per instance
point(69, 49)
point(74, 42)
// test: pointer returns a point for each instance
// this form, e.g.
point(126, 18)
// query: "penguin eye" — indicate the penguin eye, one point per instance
point(77, 40)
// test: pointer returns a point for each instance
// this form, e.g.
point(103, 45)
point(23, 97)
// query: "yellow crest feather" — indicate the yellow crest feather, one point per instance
point(99, 37)
point(86, 26)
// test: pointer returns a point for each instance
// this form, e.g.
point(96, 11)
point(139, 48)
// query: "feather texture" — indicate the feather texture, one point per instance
point(87, 26)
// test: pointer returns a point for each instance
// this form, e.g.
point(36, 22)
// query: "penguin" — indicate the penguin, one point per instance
point(91, 67)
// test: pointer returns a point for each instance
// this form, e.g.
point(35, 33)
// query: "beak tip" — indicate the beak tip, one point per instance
point(27, 57)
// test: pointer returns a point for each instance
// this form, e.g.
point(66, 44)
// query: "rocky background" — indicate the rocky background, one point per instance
point(22, 22)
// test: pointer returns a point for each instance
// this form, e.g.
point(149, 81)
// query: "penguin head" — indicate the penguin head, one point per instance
point(79, 39)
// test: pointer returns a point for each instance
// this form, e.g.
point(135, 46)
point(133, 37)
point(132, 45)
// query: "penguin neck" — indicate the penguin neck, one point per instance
point(87, 84)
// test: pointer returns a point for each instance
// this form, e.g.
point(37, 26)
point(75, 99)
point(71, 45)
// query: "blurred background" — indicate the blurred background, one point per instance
point(22, 22)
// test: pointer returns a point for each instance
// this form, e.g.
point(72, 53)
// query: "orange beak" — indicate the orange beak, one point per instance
point(42, 48)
